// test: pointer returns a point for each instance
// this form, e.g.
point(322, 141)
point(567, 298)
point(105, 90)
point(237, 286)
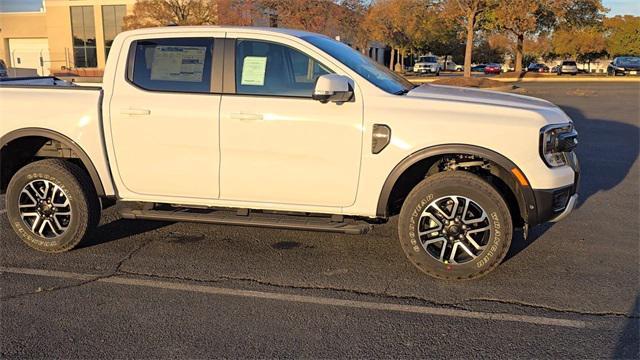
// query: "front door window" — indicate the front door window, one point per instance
point(266, 68)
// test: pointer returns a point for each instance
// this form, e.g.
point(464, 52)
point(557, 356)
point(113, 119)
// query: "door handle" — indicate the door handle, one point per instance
point(246, 117)
point(135, 112)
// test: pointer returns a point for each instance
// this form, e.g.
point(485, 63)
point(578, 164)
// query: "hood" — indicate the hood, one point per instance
point(477, 96)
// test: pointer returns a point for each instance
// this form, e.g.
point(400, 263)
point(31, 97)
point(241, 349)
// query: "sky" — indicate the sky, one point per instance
point(622, 7)
point(617, 7)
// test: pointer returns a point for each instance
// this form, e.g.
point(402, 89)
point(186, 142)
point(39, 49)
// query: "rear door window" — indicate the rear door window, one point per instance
point(173, 64)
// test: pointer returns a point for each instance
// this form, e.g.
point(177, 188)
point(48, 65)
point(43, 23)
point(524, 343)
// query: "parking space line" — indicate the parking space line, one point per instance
point(315, 300)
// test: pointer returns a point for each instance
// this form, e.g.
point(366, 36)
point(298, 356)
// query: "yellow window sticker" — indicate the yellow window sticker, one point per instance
point(253, 70)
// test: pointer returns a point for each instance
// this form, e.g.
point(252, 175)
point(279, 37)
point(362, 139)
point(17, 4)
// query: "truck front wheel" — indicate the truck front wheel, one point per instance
point(52, 205)
point(454, 225)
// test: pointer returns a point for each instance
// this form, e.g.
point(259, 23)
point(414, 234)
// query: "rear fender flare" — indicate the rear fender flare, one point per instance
point(53, 135)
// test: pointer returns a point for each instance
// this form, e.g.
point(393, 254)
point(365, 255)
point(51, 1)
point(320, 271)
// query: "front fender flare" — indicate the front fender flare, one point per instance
point(524, 194)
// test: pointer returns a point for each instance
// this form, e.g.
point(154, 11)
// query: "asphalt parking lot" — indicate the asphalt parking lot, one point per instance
point(151, 289)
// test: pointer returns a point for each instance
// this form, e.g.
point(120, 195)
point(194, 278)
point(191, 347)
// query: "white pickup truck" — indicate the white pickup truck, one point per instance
point(287, 129)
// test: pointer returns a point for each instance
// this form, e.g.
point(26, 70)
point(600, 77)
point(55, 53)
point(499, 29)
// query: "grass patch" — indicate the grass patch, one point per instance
point(474, 82)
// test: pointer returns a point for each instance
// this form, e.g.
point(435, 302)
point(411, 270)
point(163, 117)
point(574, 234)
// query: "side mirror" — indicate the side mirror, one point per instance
point(334, 88)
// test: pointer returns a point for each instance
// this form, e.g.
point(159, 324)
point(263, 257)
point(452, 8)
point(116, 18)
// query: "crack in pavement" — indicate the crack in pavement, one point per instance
point(457, 306)
point(54, 288)
point(551, 308)
point(460, 305)
point(225, 278)
point(90, 279)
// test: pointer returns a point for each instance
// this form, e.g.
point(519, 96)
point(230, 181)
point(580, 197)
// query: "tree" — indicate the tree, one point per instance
point(239, 12)
point(391, 22)
point(150, 13)
point(585, 44)
point(487, 52)
point(470, 14)
point(623, 35)
point(519, 18)
point(350, 23)
point(525, 20)
point(578, 13)
point(320, 16)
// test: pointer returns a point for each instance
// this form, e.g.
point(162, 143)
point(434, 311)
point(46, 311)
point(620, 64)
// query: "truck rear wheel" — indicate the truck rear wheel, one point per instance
point(52, 205)
point(454, 225)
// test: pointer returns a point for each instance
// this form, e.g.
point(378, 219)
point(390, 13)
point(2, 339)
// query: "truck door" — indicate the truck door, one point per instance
point(164, 119)
point(278, 145)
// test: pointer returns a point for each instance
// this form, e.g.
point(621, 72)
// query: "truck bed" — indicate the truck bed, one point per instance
point(35, 81)
point(71, 112)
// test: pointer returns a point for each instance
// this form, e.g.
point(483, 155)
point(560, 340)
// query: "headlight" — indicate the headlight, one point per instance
point(555, 142)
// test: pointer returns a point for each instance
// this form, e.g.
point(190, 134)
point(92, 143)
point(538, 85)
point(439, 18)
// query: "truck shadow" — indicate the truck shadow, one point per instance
point(120, 229)
point(627, 345)
point(607, 151)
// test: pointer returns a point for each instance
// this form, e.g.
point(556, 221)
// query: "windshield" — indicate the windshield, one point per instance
point(629, 61)
point(569, 63)
point(428, 59)
point(377, 74)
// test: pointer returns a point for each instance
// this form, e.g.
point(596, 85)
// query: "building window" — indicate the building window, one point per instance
point(83, 30)
point(112, 22)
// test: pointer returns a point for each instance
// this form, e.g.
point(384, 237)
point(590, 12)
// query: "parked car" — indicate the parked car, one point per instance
point(478, 68)
point(304, 133)
point(427, 65)
point(493, 69)
point(624, 65)
point(452, 66)
point(567, 67)
point(3, 69)
point(537, 67)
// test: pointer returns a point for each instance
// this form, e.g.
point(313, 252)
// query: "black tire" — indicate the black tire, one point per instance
point(456, 183)
point(83, 202)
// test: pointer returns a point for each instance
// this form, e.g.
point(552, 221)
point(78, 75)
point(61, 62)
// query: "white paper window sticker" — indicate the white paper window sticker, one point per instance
point(178, 63)
point(253, 70)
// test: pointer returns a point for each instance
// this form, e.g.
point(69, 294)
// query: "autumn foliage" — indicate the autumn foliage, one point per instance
point(491, 30)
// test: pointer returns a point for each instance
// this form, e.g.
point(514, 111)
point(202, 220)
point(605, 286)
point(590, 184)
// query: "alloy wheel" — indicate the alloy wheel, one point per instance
point(45, 208)
point(454, 229)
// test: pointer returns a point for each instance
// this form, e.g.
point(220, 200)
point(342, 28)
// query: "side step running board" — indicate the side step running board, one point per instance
point(254, 219)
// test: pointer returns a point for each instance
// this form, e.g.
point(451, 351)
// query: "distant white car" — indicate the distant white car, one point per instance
point(427, 65)
point(452, 66)
point(567, 67)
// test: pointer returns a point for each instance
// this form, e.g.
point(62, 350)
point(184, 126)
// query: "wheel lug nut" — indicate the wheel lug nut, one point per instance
point(450, 238)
